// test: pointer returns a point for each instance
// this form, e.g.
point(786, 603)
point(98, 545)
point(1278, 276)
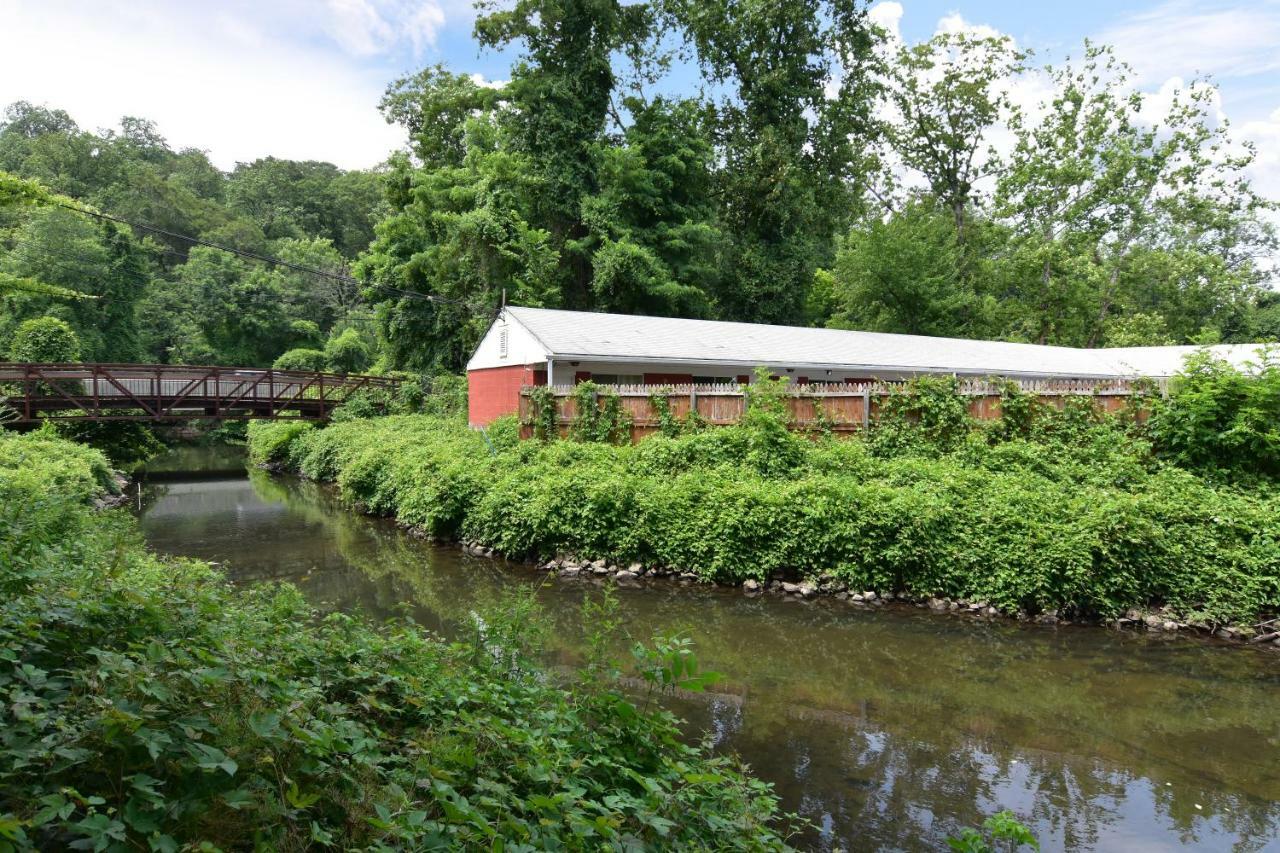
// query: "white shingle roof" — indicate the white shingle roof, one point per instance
point(590, 336)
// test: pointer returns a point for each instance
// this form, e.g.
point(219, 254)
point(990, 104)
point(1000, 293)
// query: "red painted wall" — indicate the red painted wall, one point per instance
point(668, 378)
point(495, 391)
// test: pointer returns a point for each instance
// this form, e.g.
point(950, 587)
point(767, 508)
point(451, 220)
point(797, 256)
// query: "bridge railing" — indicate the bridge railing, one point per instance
point(163, 390)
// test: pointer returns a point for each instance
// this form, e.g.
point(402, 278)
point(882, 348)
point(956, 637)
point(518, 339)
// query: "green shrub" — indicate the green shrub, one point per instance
point(301, 359)
point(598, 415)
point(1220, 419)
point(443, 395)
point(1090, 525)
point(147, 704)
point(925, 413)
point(347, 353)
point(269, 441)
point(46, 339)
point(127, 444)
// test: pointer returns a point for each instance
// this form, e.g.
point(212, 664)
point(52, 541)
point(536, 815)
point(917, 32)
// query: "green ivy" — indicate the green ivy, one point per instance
point(598, 415)
point(1222, 420)
point(668, 424)
point(545, 417)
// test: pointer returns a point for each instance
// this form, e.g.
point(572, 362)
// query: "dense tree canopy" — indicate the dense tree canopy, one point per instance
point(778, 162)
point(134, 294)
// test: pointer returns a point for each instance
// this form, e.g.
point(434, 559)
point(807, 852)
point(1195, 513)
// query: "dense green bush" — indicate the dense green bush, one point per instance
point(1077, 517)
point(301, 358)
point(46, 339)
point(127, 444)
point(347, 353)
point(1221, 419)
point(443, 395)
point(269, 441)
point(146, 704)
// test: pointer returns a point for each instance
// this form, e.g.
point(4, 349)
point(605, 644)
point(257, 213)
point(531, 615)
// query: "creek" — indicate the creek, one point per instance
point(887, 728)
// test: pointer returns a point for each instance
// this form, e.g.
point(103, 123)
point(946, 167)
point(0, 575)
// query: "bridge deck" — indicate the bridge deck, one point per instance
point(174, 392)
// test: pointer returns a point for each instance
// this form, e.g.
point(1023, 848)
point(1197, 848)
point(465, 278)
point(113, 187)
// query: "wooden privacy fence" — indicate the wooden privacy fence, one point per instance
point(113, 392)
point(840, 407)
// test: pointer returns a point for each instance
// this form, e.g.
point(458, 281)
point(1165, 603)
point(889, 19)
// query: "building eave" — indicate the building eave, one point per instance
point(841, 366)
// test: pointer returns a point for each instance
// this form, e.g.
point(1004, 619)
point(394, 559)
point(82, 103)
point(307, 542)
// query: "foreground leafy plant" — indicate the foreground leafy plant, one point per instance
point(147, 704)
point(1003, 832)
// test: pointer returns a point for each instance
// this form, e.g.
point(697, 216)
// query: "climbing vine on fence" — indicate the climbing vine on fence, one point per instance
point(668, 424)
point(599, 416)
point(543, 419)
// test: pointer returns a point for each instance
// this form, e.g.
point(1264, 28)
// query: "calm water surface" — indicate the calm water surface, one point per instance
point(886, 728)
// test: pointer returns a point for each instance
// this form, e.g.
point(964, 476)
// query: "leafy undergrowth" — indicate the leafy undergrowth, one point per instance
point(1069, 511)
point(145, 704)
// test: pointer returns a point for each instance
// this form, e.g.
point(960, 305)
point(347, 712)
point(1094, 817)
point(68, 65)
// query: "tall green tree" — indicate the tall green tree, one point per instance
point(301, 199)
point(792, 130)
point(61, 248)
point(1115, 209)
point(945, 97)
point(460, 234)
point(560, 92)
point(654, 227)
point(903, 273)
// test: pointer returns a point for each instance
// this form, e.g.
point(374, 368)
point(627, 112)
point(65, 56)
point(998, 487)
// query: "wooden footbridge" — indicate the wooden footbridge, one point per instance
point(163, 392)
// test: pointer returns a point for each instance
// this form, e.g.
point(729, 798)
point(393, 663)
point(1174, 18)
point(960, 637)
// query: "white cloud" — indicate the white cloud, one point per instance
point(1238, 44)
point(236, 79)
point(485, 83)
point(1183, 38)
point(955, 23)
point(358, 26)
point(888, 16)
point(369, 27)
point(1265, 134)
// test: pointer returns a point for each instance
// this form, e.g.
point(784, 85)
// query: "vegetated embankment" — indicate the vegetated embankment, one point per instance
point(1076, 520)
point(145, 703)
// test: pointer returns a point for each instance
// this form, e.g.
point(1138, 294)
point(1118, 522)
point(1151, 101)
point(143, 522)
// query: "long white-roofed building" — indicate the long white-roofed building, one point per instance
point(540, 346)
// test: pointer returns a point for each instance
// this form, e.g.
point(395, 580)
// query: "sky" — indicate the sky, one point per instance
point(301, 79)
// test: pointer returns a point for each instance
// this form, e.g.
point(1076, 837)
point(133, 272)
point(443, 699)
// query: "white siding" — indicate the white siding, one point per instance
point(522, 347)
